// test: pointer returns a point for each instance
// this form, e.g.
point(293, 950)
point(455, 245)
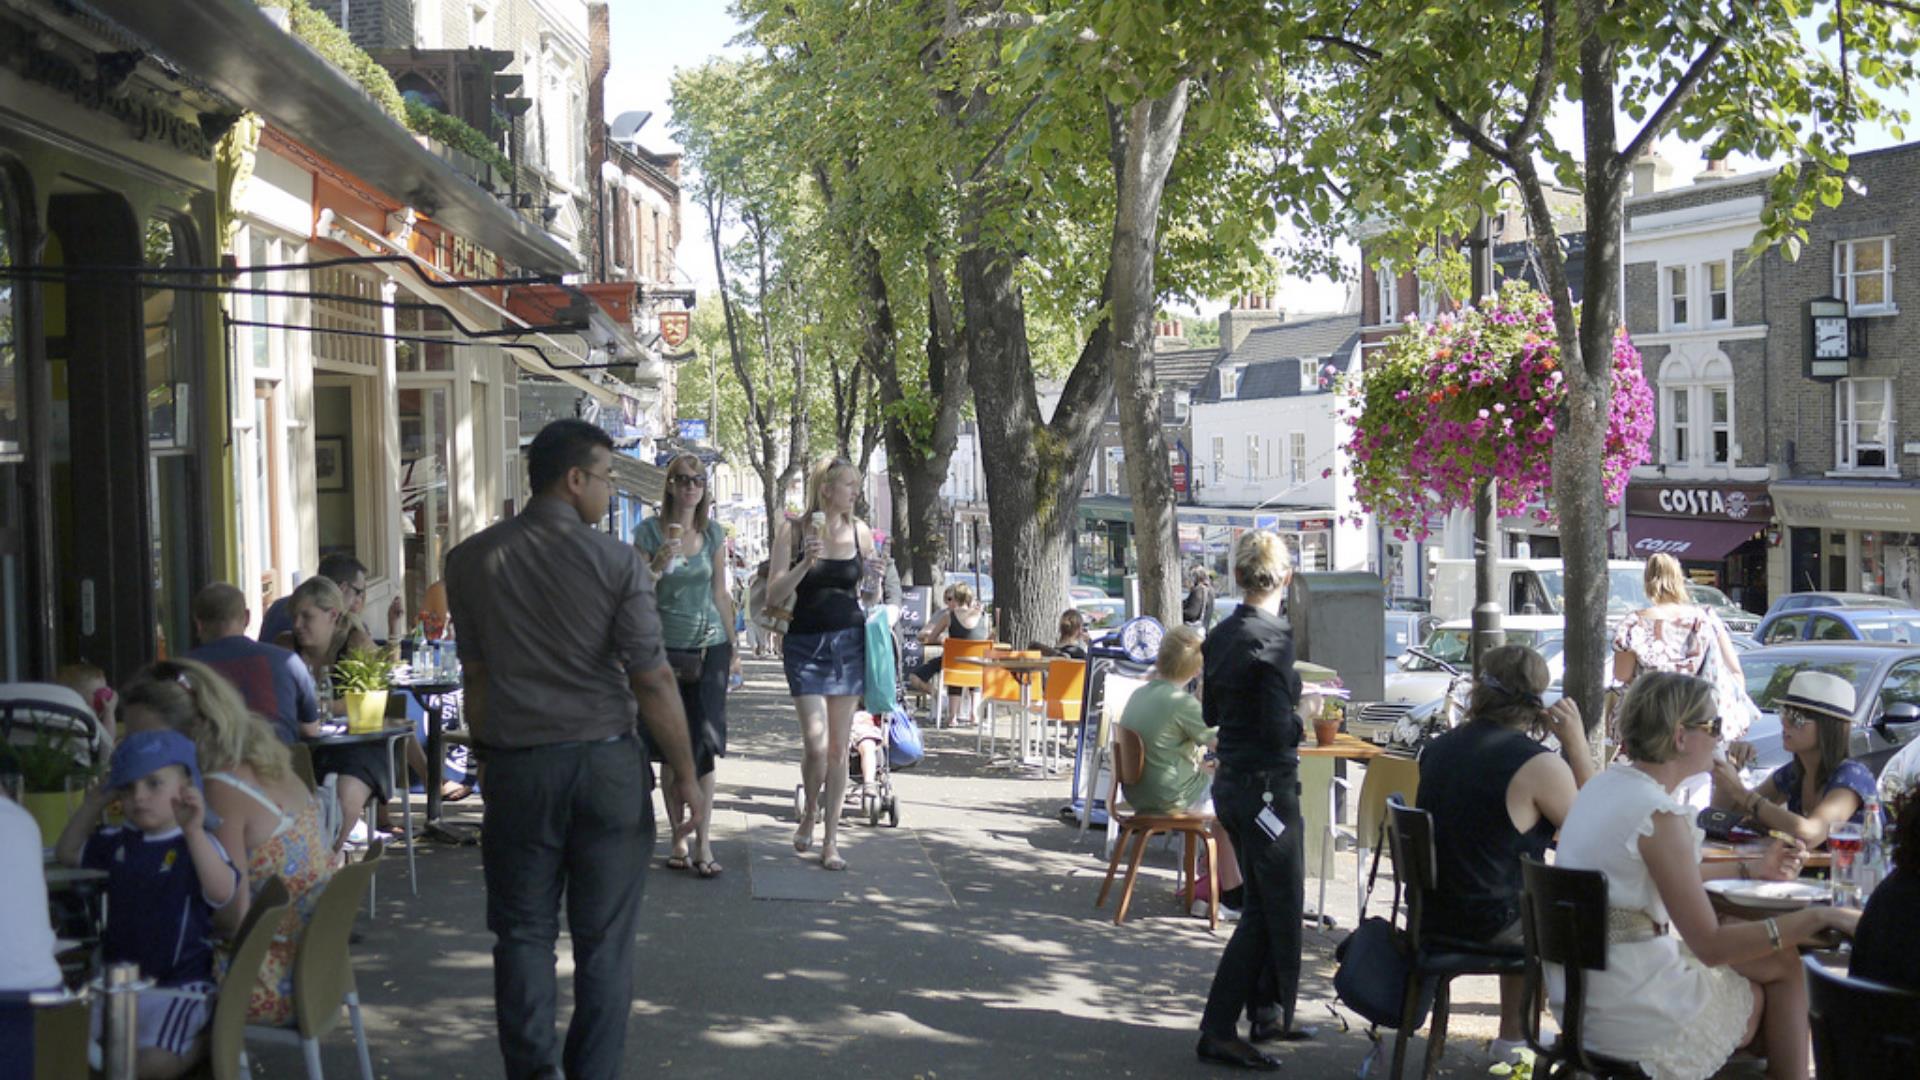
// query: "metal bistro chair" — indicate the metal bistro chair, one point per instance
point(1129, 759)
point(1563, 915)
point(1386, 775)
point(226, 1047)
point(323, 971)
point(1436, 959)
point(1862, 1030)
point(1066, 691)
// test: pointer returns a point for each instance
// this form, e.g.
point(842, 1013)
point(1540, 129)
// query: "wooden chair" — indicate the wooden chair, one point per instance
point(323, 970)
point(1386, 776)
point(1066, 692)
point(1436, 960)
point(1563, 917)
point(1861, 1030)
point(1129, 761)
point(954, 675)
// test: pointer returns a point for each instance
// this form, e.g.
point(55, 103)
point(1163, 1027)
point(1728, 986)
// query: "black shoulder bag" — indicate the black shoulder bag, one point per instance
point(1375, 959)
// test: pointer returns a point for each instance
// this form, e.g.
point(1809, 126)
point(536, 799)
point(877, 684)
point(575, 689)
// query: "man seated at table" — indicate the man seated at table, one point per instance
point(1174, 736)
point(1886, 944)
point(272, 680)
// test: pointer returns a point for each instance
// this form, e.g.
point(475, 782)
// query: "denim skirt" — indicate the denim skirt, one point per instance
point(833, 664)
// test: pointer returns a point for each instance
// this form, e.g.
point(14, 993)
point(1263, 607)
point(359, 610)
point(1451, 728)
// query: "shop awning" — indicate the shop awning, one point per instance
point(648, 483)
point(234, 48)
point(607, 309)
point(1688, 539)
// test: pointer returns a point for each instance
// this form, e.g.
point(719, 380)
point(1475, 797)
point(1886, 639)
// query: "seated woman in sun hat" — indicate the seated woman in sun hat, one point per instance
point(1821, 786)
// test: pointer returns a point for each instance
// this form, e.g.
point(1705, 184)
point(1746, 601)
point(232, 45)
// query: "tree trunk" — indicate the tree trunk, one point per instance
point(1146, 136)
point(763, 462)
point(1034, 470)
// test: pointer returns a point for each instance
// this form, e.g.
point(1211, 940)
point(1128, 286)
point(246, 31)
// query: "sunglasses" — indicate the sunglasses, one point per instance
point(689, 480)
point(1712, 729)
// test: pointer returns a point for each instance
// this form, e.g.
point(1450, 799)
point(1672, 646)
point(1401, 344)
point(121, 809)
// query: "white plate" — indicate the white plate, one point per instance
point(1784, 895)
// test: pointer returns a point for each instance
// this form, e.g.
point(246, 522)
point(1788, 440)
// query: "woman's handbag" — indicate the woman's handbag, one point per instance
point(1374, 962)
point(687, 663)
point(1737, 710)
point(882, 681)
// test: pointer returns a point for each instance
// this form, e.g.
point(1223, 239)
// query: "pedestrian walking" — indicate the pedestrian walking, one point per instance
point(686, 550)
point(561, 643)
point(1197, 609)
point(1252, 694)
point(824, 648)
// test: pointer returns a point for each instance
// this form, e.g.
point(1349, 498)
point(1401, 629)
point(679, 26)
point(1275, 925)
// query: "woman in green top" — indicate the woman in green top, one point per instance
point(687, 553)
point(1173, 778)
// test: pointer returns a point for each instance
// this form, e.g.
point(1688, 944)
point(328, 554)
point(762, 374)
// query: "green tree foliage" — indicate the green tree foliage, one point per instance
point(1421, 111)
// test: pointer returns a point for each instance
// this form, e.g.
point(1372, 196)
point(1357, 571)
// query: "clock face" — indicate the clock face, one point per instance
point(1830, 337)
point(1141, 639)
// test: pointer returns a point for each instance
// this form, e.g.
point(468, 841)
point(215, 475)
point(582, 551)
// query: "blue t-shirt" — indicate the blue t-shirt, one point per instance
point(277, 620)
point(157, 915)
point(1851, 775)
point(274, 681)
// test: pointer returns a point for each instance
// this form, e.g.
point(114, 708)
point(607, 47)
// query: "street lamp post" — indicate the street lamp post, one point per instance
point(1487, 632)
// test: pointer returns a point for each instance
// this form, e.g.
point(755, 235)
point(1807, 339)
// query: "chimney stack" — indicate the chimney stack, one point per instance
point(1716, 170)
point(1651, 173)
point(1249, 312)
point(1168, 334)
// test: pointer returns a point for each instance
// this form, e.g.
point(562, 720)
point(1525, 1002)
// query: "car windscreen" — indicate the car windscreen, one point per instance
point(1902, 628)
point(1455, 646)
point(1768, 676)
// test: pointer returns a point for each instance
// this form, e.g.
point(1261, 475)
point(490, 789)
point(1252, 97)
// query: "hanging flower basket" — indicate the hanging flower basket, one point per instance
point(1472, 396)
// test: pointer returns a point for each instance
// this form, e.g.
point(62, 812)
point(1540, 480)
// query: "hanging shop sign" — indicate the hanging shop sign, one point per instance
point(1731, 502)
point(675, 326)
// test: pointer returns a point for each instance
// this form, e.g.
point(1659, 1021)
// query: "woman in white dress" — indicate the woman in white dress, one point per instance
point(1681, 991)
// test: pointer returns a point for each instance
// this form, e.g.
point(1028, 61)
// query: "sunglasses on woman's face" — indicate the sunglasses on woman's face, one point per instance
point(690, 480)
point(1712, 729)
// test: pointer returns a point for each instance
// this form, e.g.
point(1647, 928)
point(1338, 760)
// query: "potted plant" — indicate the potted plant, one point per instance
point(363, 677)
point(53, 777)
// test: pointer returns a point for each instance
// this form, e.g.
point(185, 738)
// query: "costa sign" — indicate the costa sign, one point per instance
point(1729, 502)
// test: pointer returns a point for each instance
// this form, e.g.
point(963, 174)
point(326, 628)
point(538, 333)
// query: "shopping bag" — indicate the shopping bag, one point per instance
point(904, 745)
point(882, 670)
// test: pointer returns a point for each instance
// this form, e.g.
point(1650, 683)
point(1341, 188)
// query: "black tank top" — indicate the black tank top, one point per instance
point(1463, 783)
point(960, 631)
point(828, 598)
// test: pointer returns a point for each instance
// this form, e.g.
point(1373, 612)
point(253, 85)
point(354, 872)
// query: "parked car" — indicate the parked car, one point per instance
point(1738, 619)
point(1841, 624)
point(1796, 601)
point(1406, 629)
point(1104, 613)
point(1886, 681)
point(982, 584)
point(1077, 593)
point(1426, 672)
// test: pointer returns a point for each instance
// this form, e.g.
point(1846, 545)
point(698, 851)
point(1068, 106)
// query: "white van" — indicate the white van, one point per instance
point(1532, 587)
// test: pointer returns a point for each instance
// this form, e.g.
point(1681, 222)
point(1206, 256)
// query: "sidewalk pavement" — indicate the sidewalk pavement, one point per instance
point(964, 943)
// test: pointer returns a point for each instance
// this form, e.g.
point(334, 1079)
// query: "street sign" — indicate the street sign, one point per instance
point(675, 326)
point(693, 430)
point(1180, 479)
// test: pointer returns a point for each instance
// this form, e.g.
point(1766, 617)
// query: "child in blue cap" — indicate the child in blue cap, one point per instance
point(167, 875)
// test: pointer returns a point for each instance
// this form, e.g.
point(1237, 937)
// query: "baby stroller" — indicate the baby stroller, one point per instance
point(878, 800)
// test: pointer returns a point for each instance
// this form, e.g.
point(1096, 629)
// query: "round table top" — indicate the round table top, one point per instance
point(1018, 664)
point(346, 738)
point(66, 877)
point(427, 686)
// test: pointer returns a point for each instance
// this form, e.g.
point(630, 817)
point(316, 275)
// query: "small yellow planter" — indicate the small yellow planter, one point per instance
point(52, 809)
point(366, 711)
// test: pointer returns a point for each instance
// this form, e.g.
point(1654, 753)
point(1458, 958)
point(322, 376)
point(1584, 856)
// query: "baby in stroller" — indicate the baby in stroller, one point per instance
point(869, 747)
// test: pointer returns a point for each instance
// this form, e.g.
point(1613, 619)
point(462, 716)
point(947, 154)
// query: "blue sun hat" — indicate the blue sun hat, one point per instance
point(143, 753)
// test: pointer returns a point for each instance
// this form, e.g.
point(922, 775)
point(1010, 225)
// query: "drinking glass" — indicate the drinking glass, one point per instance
point(1844, 841)
point(323, 689)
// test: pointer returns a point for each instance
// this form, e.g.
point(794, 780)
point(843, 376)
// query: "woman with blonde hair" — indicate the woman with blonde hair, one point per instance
point(269, 820)
point(824, 649)
point(1174, 736)
point(1672, 633)
point(323, 632)
point(1680, 990)
point(1252, 698)
point(686, 550)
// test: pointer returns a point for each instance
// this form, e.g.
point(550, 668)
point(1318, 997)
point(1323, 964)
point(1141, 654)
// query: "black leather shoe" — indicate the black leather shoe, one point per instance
point(1235, 1052)
point(1264, 1031)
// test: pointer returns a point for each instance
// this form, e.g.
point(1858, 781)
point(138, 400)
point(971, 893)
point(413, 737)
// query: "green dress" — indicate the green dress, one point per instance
point(1168, 721)
point(689, 619)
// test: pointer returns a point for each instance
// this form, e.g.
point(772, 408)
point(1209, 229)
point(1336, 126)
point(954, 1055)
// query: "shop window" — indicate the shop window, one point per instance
point(1297, 457)
point(173, 497)
point(419, 356)
point(1863, 273)
point(426, 453)
point(1865, 411)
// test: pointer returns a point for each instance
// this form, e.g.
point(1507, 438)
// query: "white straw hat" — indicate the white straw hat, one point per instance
point(1818, 692)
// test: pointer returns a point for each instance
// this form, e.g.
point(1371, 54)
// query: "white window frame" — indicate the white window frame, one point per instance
point(1229, 381)
point(1182, 404)
point(1297, 457)
point(1676, 307)
point(1386, 288)
point(1309, 376)
point(1709, 446)
point(1725, 293)
point(1429, 300)
point(1253, 458)
point(1219, 458)
point(1690, 384)
point(1116, 464)
point(1851, 441)
point(1845, 278)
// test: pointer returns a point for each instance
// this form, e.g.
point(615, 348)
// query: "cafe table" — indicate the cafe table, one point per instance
point(1316, 801)
point(431, 692)
point(391, 734)
point(1023, 669)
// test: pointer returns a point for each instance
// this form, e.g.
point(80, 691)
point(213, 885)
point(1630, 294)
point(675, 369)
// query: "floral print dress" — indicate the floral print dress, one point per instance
point(300, 854)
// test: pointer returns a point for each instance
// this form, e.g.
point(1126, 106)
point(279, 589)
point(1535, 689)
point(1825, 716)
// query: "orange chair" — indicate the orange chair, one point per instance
point(968, 678)
point(1066, 693)
point(1129, 760)
point(1002, 688)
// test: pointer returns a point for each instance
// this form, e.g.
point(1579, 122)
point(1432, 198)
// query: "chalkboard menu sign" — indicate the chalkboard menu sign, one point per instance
point(913, 619)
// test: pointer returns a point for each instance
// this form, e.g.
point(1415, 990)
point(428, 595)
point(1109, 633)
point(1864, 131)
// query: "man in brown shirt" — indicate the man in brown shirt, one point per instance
point(561, 644)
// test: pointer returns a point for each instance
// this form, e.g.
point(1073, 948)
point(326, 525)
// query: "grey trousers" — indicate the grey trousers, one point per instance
point(570, 821)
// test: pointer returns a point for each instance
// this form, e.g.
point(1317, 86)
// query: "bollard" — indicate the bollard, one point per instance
point(122, 989)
